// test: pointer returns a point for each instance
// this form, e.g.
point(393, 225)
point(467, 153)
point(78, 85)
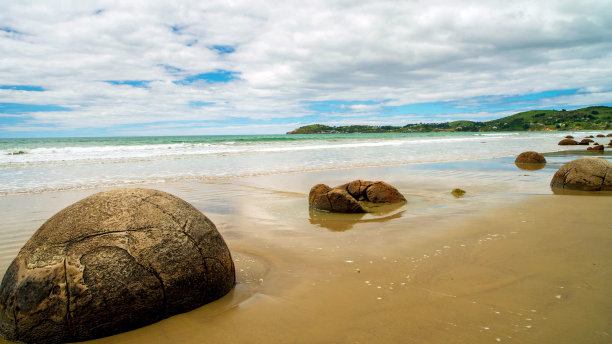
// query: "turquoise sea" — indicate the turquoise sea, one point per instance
point(41, 164)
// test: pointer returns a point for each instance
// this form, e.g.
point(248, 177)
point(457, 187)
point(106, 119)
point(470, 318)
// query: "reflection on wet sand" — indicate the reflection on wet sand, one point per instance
point(342, 222)
point(530, 166)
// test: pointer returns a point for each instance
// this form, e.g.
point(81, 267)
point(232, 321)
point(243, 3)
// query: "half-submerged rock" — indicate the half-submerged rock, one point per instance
point(112, 262)
point(567, 142)
point(347, 198)
point(596, 148)
point(586, 174)
point(530, 161)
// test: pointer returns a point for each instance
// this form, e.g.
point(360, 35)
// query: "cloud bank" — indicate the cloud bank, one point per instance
point(194, 67)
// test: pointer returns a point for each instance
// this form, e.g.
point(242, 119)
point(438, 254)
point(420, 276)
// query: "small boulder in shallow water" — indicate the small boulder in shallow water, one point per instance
point(530, 161)
point(346, 198)
point(530, 157)
point(586, 174)
point(114, 261)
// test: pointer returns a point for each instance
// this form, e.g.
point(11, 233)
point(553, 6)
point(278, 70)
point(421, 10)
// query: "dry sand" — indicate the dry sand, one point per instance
point(494, 266)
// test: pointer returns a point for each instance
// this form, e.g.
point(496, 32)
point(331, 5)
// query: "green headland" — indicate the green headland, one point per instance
point(589, 118)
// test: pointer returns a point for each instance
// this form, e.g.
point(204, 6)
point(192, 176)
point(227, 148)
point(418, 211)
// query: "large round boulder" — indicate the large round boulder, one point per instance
point(348, 198)
point(114, 261)
point(567, 142)
point(587, 174)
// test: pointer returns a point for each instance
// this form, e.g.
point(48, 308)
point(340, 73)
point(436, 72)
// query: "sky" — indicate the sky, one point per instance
point(108, 68)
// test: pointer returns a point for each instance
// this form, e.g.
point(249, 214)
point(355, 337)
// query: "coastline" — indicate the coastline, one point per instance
point(449, 270)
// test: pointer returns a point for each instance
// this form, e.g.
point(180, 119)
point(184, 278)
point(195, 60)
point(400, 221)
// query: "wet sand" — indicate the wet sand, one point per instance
point(509, 262)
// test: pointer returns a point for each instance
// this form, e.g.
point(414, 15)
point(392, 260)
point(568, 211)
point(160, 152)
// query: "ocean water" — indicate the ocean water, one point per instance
point(36, 165)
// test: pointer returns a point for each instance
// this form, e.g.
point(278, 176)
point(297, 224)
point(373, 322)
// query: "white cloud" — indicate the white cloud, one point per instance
point(290, 52)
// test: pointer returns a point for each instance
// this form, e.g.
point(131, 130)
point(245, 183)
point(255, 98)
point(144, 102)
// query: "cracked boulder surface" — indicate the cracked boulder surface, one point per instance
point(586, 174)
point(347, 198)
point(112, 262)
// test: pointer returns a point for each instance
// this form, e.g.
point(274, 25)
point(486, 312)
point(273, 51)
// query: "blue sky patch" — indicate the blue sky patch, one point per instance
point(8, 29)
point(200, 104)
point(440, 110)
point(223, 49)
point(17, 108)
point(211, 78)
point(133, 83)
point(13, 119)
point(22, 88)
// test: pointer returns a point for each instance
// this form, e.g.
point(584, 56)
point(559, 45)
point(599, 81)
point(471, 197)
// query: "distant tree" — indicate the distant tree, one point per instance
point(595, 112)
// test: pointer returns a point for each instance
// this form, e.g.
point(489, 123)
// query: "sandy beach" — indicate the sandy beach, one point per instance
point(508, 262)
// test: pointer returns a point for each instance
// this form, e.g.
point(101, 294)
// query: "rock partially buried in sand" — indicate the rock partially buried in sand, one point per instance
point(601, 135)
point(112, 262)
point(569, 137)
point(585, 141)
point(346, 198)
point(586, 174)
point(567, 142)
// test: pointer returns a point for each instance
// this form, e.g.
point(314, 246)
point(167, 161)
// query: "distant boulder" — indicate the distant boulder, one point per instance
point(585, 174)
point(589, 137)
point(609, 135)
point(601, 135)
point(596, 148)
point(585, 142)
point(569, 137)
point(567, 142)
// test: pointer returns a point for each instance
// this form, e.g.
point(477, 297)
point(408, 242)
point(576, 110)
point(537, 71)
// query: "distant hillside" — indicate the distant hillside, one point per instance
point(589, 118)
